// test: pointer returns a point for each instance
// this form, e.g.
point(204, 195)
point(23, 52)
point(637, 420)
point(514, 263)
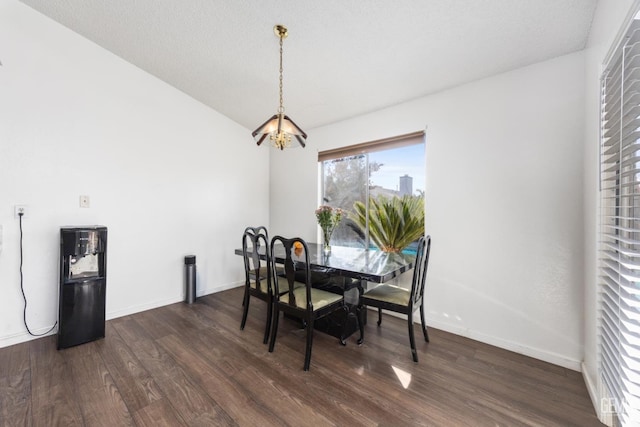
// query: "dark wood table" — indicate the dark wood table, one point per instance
point(331, 271)
point(356, 263)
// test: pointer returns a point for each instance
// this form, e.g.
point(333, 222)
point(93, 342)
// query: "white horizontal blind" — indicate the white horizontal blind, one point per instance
point(619, 278)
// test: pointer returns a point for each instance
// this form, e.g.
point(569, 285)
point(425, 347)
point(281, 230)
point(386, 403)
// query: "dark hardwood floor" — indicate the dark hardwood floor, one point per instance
point(191, 365)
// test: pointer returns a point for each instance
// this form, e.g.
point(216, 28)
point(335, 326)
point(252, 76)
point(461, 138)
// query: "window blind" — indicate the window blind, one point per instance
point(372, 146)
point(619, 257)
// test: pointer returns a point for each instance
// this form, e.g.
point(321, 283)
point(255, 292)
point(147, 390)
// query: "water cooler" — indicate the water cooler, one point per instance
point(83, 280)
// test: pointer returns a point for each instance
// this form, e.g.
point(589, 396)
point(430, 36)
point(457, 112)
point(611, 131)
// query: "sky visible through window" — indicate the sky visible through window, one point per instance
point(398, 162)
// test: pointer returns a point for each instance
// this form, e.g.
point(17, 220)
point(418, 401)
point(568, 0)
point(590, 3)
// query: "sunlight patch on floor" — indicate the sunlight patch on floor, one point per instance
point(403, 376)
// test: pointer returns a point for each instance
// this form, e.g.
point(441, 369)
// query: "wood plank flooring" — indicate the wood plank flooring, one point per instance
point(184, 365)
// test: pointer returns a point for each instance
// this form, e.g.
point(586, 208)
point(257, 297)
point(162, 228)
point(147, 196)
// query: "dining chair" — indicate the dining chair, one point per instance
point(305, 303)
point(263, 270)
point(405, 301)
point(258, 274)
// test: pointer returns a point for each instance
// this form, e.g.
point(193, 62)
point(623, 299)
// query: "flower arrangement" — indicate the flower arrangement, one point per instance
point(328, 219)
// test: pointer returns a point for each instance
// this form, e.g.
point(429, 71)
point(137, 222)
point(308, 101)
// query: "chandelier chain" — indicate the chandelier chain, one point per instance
point(281, 108)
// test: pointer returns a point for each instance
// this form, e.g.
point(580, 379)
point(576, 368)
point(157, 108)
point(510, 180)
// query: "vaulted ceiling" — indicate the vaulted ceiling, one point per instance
point(342, 58)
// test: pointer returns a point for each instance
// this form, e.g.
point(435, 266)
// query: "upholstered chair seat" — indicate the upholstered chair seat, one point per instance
point(283, 284)
point(391, 294)
point(319, 298)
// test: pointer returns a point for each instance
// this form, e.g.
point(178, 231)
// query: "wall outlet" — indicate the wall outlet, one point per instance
point(84, 202)
point(20, 209)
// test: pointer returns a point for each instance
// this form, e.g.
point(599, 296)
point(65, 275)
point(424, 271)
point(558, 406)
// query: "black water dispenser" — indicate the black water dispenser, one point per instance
point(83, 280)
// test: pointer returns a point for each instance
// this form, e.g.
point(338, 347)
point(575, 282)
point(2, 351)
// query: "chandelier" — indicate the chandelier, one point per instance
point(280, 129)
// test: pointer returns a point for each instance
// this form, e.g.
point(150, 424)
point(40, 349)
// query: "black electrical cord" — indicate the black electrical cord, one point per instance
point(24, 314)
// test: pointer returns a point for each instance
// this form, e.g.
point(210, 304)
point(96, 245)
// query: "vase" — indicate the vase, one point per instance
point(327, 241)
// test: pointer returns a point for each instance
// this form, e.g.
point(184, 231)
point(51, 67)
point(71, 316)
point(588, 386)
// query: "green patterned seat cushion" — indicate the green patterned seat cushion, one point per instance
point(389, 293)
point(263, 272)
point(319, 298)
point(283, 285)
point(263, 285)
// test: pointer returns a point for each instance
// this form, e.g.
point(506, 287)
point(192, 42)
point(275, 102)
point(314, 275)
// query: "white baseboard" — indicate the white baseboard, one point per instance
point(161, 303)
point(596, 396)
point(220, 288)
point(12, 339)
point(21, 337)
point(544, 355)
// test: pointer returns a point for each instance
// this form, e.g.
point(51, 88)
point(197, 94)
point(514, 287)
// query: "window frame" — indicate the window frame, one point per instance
point(363, 149)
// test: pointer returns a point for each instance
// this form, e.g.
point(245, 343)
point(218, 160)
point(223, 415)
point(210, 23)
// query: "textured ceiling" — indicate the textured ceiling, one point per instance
point(342, 57)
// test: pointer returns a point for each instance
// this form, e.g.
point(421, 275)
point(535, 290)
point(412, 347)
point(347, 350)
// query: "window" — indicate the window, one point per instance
point(389, 167)
point(619, 260)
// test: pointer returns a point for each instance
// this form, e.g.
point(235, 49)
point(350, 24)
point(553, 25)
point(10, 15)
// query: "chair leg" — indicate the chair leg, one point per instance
point(424, 325)
point(360, 316)
point(274, 328)
point(245, 303)
point(267, 328)
point(343, 340)
point(307, 355)
point(379, 316)
point(412, 338)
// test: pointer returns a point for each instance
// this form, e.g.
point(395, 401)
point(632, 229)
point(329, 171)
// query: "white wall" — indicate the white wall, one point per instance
point(608, 20)
point(164, 173)
point(503, 194)
point(503, 203)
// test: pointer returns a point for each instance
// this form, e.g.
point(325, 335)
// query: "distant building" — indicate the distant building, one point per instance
point(406, 185)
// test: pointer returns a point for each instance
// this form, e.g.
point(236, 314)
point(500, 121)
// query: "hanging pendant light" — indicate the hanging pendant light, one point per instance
point(280, 129)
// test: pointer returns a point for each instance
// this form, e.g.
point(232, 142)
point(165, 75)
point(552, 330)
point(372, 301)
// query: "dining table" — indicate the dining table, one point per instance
point(347, 270)
point(370, 265)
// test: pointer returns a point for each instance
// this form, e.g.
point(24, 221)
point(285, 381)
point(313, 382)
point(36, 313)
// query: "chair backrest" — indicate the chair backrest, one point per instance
point(420, 270)
point(258, 230)
point(296, 266)
point(252, 239)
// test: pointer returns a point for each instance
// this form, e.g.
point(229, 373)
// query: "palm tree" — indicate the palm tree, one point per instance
point(393, 223)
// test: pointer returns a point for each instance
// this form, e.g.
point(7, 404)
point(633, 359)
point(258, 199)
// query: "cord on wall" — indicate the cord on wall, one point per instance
point(24, 297)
